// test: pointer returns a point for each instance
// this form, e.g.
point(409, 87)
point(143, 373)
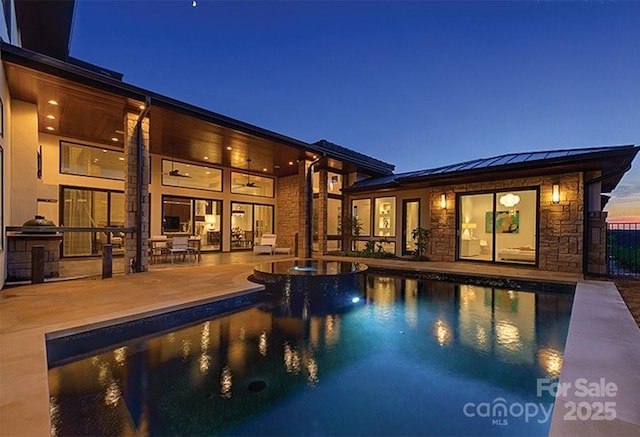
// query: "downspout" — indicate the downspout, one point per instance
point(585, 231)
point(309, 208)
point(139, 183)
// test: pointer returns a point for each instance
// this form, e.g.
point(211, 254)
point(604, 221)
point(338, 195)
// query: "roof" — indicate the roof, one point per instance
point(45, 25)
point(110, 82)
point(614, 161)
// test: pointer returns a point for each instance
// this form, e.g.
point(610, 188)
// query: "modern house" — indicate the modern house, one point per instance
point(85, 149)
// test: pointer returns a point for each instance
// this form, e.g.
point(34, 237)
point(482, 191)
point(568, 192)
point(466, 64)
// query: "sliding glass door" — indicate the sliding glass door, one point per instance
point(498, 226)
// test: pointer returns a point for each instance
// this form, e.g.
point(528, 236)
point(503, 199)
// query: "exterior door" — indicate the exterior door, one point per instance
point(410, 221)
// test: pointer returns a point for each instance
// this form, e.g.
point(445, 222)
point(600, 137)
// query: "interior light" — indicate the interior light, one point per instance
point(555, 193)
point(264, 169)
point(229, 148)
point(121, 158)
point(206, 158)
point(443, 201)
point(510, 200)
point(51, 117)
point(53, 102)
point(50, 128)
point(114, 139)
point(290, 162)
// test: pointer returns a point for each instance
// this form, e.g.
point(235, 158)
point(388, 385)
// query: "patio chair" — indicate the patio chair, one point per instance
point(179, 245)
point(267, 244)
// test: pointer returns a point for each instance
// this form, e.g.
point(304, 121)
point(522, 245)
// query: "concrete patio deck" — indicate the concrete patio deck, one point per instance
point(29, 312)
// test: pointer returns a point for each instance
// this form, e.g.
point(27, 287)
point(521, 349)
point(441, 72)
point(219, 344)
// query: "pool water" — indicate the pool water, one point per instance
point(406, 357)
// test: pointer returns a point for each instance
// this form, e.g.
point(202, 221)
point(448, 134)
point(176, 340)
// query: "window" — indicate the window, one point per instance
point(361, 210)
point(248, 223)
point(385, 217)
point(251, 185)
point(499, 226)
point(82, 160)
point(88, 208)
point(180, 174)
point(176, 215)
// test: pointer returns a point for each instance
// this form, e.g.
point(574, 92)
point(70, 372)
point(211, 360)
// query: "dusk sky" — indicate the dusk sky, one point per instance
point(415, 84)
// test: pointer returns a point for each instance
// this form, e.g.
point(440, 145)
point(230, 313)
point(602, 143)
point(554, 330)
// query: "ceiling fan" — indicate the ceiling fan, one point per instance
point(176, 172)
point(249, 183)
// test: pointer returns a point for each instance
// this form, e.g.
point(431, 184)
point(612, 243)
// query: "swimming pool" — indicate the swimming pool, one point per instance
point(410, 356)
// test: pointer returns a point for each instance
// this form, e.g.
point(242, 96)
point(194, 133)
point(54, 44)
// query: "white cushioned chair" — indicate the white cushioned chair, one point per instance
point(267, 244)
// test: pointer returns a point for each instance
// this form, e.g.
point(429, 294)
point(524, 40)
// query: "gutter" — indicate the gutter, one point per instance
point(139, 183)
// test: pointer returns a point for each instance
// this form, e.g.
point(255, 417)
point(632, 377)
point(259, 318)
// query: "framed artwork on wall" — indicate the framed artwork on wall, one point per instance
point(506, 222)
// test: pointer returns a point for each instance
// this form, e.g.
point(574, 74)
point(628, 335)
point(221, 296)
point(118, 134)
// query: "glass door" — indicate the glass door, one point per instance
point(410, 221)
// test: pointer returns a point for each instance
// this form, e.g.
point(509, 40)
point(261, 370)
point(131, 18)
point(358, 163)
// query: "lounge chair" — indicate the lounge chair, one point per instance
point(267, 244)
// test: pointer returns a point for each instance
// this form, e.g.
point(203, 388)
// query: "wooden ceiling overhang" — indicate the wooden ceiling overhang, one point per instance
point(91, 107)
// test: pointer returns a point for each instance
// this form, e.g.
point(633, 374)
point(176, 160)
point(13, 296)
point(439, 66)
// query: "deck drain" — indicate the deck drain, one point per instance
point(257, 386)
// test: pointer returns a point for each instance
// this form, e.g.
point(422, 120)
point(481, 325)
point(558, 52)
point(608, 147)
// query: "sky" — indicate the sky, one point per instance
point(417, 84)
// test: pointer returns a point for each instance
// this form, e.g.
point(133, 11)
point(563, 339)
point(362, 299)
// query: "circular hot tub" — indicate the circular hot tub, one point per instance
point(311, 287)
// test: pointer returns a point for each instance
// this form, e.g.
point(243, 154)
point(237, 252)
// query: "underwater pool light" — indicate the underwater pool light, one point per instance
point(355, 299)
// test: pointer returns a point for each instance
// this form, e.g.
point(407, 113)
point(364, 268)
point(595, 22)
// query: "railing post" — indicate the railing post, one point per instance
point(37, 264)
point(107, 261)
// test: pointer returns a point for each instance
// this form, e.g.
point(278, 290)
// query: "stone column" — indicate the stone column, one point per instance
point(596, 246)
point(302, 207)
point(136, 194)
point(322, 212)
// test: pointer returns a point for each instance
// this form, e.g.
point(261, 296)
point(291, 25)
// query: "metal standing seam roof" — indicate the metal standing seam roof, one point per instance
point(496, 162)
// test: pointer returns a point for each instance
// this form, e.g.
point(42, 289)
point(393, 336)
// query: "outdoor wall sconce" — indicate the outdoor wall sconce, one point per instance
point(443, 201)
point(555, 193)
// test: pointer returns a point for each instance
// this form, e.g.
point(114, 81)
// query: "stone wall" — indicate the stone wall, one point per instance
point(288, 211)
point(19, 249)
point(561, 225)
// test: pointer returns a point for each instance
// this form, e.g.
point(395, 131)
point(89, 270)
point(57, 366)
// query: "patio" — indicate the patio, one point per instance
point(28, 312)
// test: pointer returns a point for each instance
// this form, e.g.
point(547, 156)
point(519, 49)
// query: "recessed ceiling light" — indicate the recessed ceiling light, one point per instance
point(104, 150)
point(50, 128)
point(207, 172)
point(229, 148)
point(290, 162)
point(315, 156)
point(51, 117)
point(206, 158)
point(141, 106)
point(276, 166)
point(114, 139)
point(121, 158)
point(53, 102)
point(118, 131)
point(264, 169)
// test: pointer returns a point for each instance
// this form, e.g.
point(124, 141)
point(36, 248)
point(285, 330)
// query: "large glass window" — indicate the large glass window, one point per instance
point(88, 208)
point(189, 216)
point(176, 215)
point(207, 223)
point(251, 185)
point(499, 226)
point(361, 210)
point(181, 174)
point(385, 217)
point(411, 217)
point(248, 223)
point(79, 159)
point(334, 183)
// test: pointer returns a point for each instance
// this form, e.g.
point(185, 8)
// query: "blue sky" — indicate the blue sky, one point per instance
point(416, 84)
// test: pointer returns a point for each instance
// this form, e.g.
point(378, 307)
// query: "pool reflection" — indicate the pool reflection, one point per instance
point(147, 386)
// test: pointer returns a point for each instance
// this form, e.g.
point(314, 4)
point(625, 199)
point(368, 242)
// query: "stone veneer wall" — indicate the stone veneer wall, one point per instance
point(561, 225)
point(597, 243)
point(288, 211)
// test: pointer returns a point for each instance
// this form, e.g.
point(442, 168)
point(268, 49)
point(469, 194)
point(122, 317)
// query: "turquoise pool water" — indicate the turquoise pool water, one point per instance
point(403, 357)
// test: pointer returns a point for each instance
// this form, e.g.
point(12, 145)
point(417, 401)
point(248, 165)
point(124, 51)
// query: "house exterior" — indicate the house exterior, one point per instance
point(85, 149)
